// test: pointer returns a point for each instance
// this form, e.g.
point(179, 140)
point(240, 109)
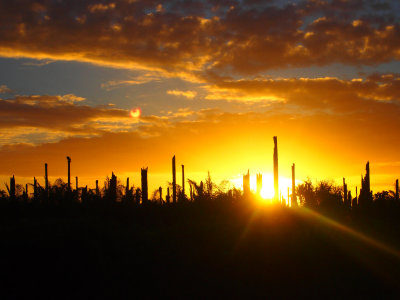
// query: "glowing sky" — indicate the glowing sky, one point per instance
point(214, 81)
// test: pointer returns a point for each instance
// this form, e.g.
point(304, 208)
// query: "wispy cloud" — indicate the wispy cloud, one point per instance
point(142, 79)
point(39, 63)
point(71, 98)
point(186, 94)
point(4, 89)
point(99, 7)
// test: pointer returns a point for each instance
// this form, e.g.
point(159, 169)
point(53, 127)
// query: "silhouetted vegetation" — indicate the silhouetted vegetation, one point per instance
point(117, 242)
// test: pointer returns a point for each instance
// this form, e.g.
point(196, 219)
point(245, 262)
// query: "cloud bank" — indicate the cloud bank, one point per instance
point(241, 37)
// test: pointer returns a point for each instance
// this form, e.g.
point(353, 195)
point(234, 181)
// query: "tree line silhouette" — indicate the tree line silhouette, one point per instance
point(117, 240)
point(323, 195)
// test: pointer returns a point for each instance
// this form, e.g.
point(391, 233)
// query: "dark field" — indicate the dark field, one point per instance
point(193, 251)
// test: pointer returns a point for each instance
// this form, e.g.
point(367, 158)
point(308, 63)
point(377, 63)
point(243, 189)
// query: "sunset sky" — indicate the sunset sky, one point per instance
point(214, 81)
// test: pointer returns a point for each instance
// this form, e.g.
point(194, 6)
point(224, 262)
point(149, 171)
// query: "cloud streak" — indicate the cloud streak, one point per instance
point(186, 94)
point(60, 116)
point(137, 80)
point(326, 93)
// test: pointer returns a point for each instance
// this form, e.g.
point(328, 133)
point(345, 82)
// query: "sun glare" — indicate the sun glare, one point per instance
point(267, 193)
point(135, 112)
point(267, 190)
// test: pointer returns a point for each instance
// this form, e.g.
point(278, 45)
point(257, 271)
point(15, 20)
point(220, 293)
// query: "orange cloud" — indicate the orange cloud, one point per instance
point(99, 7)
point(327, 93)
point(186, 94)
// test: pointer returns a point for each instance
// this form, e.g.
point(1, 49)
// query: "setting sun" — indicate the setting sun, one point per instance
point(267, 193)
point(267, 190)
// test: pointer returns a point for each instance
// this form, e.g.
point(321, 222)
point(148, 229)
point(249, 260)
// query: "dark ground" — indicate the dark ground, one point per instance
point(191, 251)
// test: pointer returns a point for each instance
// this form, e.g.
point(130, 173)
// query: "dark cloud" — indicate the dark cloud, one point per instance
point(183, 36)
point(381, 5)
point(329, 94)
point(60, 113)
